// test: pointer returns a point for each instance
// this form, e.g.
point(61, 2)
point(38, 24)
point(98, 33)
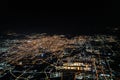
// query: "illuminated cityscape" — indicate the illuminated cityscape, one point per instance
point(59, 41)
point(56, 57)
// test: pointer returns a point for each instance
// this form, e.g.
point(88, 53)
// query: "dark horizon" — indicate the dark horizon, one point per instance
point(56, 24)
point(84, 20)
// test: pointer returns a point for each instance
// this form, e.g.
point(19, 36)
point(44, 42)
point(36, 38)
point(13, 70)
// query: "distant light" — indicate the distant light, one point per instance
point(29, 41)
point(116, 29)
point(42, 55)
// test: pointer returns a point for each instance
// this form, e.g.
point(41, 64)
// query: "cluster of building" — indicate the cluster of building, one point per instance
point(56, 56)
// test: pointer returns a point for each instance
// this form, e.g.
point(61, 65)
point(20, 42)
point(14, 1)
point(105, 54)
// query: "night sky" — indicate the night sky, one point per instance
point(86, 17)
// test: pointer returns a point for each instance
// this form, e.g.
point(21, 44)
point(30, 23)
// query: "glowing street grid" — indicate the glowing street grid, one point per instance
point(57, 57)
